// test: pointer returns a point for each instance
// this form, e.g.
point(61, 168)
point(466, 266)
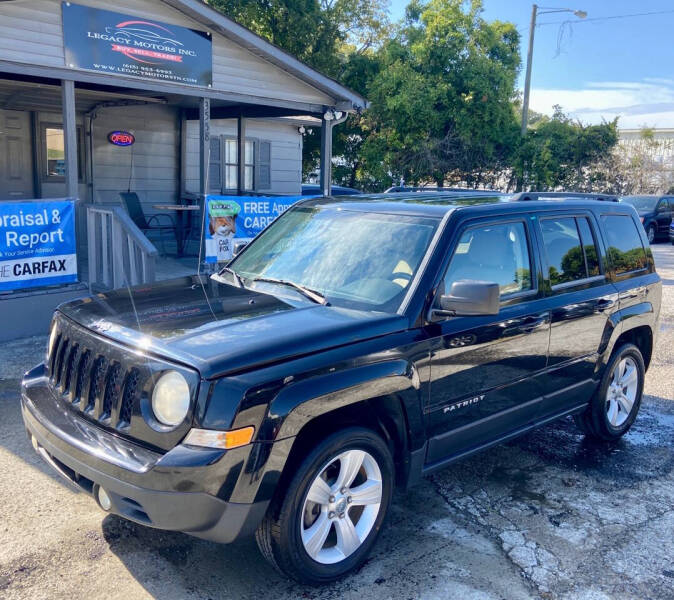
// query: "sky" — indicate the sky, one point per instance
point(596, 69)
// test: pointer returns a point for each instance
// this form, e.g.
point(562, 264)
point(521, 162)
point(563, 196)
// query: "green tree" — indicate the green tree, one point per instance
point(318, 32)
point(560, 153)
point(441, 104)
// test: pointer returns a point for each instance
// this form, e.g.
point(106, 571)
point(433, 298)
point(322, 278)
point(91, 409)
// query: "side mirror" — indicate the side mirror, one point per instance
point(469, 298)
point(238, 246)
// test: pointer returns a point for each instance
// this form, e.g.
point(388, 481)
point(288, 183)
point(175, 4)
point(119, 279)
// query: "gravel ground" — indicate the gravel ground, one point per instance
point(549, 515)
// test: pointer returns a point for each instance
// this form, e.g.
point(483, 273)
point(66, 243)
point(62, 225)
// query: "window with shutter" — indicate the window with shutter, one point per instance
point(215, 165)
point(263, 170)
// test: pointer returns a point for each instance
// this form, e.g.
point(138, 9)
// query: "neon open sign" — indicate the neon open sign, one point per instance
point(121, 138)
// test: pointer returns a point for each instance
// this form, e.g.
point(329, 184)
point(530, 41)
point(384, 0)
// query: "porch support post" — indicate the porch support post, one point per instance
point(326, 157)
point(204, 145)
point(204, 162)
point(69, 137)
point(71, 169)
point(241, 154)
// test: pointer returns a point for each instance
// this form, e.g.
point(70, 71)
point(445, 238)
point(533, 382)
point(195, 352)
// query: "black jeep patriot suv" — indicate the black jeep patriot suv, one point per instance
point(356, 344)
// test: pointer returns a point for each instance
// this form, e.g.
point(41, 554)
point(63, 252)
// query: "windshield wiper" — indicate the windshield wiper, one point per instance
point(313, 295)
point(237, 277)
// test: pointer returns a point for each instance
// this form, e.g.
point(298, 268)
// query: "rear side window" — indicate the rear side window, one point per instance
point(625, 250)
point(570, 248)
point(589, 247)
point(498, 253)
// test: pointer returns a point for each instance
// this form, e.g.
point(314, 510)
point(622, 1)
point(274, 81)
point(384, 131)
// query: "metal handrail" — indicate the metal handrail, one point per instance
point(119, 253)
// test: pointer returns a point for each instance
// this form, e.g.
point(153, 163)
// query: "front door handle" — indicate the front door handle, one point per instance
point(604, 304)
point(532, 323)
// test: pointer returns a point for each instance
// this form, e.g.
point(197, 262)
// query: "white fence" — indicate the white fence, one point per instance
point(119, 254)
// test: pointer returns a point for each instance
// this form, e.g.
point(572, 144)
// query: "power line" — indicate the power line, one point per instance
point(577, 22)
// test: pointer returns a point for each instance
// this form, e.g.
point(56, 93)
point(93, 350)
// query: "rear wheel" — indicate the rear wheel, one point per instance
point(614, 407)
point(333, 508)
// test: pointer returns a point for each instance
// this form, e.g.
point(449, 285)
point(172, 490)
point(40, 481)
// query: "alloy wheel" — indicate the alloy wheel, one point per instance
point(622, 391)
point(341, 506)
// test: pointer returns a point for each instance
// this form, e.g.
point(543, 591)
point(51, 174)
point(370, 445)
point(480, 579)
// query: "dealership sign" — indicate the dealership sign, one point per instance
point(121, 138)
point(37, 244)
point(240, 218)
point(110, 42)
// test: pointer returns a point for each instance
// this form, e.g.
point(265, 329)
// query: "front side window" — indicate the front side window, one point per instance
point(355, 259)
point(570, 248)
point(496, 253)
point(625, 250)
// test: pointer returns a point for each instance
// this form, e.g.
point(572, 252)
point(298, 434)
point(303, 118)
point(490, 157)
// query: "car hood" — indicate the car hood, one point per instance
point(219, 328)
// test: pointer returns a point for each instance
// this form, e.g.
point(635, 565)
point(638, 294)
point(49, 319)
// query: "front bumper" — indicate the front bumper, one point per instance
point(178, 490)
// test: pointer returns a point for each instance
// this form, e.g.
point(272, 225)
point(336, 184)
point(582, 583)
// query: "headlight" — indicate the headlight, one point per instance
point(171, 398)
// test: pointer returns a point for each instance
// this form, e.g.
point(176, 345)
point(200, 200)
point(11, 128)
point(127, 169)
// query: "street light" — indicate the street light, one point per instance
point(581, 14)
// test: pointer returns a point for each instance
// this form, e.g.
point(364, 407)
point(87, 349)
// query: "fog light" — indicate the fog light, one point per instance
point(103, 499)
point(33, 441)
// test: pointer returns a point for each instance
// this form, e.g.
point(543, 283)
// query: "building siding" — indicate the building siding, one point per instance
point(155, 155)
point(31, 33)
point(286, 152)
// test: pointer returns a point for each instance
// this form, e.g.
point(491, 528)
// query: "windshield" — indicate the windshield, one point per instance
point(641, 202)
point(355, 259)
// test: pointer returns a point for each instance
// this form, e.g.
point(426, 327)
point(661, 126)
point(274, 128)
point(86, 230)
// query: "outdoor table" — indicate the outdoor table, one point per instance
point(180, 209)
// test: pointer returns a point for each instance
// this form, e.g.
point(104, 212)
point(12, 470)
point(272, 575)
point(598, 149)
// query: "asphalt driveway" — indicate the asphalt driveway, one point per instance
point(549, 515)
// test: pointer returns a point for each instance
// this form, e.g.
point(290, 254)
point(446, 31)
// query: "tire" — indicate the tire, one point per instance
point(288, 524)
point(606, 417)
point(650, 233)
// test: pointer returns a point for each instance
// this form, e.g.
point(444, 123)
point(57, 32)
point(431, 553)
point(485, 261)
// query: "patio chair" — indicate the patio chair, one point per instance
point(150, 223)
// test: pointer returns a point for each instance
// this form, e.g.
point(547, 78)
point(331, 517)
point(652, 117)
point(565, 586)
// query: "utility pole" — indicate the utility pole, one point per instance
point(527, 78)
point(581, 14)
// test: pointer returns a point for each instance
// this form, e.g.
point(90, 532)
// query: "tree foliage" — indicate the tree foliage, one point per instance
point(441, 104)
point(442, 87)
point(559, 153)
point(321, 33)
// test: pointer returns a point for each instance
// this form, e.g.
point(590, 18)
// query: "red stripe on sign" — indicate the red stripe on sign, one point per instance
point(125, 23)
point(149, 53)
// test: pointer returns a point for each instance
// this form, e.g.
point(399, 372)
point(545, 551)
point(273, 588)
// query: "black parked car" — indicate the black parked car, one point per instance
point(655, 213)
point(313, 189)
point(355, 345)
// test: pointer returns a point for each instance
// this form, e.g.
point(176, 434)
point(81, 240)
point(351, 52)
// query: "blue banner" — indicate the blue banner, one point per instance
point(37, 244)
point(230, 218)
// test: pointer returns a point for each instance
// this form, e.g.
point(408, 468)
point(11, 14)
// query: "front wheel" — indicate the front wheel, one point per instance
point(333, 509)
point(650, 233)
point(616, 403)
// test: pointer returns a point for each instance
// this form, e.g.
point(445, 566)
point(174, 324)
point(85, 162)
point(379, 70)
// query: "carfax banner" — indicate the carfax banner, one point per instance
point(230, 218)
point(37, 244)
point(110, 42)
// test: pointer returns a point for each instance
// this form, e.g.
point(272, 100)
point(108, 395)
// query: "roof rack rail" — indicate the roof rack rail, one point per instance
point(398, 189)
point(526, 196)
